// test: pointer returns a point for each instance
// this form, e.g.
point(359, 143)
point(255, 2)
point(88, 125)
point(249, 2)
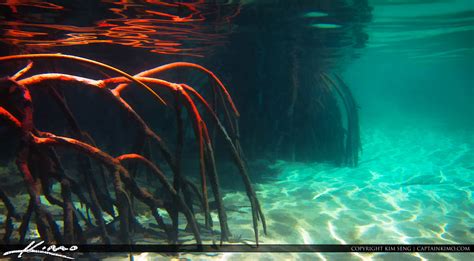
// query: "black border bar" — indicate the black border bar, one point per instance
point(282, 248)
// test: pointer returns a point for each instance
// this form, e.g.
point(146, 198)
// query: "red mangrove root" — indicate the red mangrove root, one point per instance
point(40, 161)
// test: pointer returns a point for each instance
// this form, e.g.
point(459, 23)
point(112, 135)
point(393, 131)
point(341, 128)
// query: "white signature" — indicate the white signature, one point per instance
point(45, 250)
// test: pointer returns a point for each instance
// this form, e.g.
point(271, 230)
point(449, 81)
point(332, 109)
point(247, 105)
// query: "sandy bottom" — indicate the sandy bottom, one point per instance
point(412, 187)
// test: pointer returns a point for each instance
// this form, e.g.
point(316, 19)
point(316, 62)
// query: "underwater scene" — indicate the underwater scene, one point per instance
point(236, 122)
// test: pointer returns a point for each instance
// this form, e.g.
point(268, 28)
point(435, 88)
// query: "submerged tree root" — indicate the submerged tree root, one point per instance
point(352, 144)
point(16, 111)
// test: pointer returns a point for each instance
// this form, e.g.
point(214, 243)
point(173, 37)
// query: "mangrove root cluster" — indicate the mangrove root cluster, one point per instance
point(113, 188)
point(291, 112)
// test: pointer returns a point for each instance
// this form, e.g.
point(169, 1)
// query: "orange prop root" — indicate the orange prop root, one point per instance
point(6, 115)
point(161, 177)
point(124, 184)
point(22, 71)
point(189, 65)
point(82, 60)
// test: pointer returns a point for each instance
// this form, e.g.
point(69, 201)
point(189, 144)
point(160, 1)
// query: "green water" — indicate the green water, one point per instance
point(413, 186)
point(414, 83)
point(415, 86)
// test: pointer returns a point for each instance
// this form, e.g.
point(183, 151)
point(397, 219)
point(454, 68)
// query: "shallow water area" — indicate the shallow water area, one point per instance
point(346, 122)
point(419, 192)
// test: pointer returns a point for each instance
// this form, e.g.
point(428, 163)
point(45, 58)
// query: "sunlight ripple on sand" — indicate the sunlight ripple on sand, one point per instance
point(305, 235)
point(362, 229)
point(334, 235)
point(141, 257)
point(323, 193)
point(405, 195)
point(443, 232)
point(341, 241)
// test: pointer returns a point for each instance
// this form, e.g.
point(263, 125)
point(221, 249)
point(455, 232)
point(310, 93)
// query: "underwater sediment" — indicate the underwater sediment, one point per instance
point(208, 124)
point(98, 154)
point(107, 184)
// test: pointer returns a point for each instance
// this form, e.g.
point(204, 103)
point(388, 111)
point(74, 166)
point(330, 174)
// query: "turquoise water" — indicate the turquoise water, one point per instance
point(413, 81)
point(413, 186)
point(415, 86)
point(417, 66)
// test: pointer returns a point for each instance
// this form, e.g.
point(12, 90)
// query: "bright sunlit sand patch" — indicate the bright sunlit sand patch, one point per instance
point(443, 177)
point(375, 175)
point(400, 197)
point(304, 235)
point(321, 257)
point(362, 229)
point(332, 231)
point(441, 235)
point(332, 212)
point(413, 218)
point(141, 257)
point(391, 199)
point(323, 193)
point(419, 256)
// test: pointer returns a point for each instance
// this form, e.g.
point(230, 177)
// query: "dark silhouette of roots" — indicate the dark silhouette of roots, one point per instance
point(352, 143)
point(39, 163)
